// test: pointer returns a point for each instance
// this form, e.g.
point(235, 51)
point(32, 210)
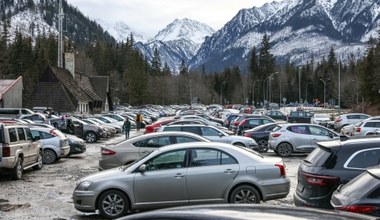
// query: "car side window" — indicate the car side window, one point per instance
point(21, 134)
point(169, 128)
point(45, 135)
point(254, 122)
point(193, 130)
point(158, 142)
point(375, 194)
point(298, 129)
point(12, 135)
point(209, 157)
point(183, 139)
point(167, 160)
point(364, 159)
point(206, 131)
point(318, 131)
point(370, 124)
point(28, 134)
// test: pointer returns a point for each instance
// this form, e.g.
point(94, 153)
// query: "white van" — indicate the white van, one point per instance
point(14, 112)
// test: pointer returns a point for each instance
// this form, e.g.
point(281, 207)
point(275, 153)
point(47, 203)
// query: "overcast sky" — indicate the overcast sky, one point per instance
point(151, 16)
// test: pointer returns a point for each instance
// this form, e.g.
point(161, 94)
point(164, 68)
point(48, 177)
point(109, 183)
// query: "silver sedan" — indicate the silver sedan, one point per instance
point(183, 174)
point(127, 151)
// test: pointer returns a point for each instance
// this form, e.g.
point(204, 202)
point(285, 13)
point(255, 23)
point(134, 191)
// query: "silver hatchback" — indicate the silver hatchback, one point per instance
point(289, 138)
point(183, 174)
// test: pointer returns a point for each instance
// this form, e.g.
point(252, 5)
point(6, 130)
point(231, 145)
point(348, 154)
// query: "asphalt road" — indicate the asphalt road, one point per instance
point(46, 194)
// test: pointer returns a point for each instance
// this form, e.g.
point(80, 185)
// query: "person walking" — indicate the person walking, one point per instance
point(127, 127)
point(138, 120)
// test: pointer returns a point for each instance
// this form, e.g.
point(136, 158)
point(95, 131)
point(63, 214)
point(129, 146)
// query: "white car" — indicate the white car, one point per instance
point(320, 119)
point(366, 127)
point(347, 119)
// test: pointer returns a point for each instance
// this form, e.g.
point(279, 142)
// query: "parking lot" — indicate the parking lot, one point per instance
point(46, 194)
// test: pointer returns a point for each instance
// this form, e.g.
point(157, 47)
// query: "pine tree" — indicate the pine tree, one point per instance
point(156, 63)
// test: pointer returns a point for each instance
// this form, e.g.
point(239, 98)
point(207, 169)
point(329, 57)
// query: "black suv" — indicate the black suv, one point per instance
point(299, 117)
point(333, 163)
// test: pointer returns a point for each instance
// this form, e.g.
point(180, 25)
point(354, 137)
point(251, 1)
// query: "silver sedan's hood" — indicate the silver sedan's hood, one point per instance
point(105, 174)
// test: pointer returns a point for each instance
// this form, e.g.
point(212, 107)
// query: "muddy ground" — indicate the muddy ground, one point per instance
point(46, 194)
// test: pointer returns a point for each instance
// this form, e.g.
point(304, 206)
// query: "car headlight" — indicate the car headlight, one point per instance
point(252, 143)
point(84, 186)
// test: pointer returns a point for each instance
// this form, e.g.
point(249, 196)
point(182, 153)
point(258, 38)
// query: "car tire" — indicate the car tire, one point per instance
point(49, 156)
point(245, 194)
point(284, 149)
point(18, 170)
point(263, 145)
point(39, 164)
point(90, 137)
point(113, 204)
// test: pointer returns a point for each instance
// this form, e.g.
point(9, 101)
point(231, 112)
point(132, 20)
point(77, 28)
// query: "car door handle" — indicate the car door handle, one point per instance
point(229, 171)
point(179, 175)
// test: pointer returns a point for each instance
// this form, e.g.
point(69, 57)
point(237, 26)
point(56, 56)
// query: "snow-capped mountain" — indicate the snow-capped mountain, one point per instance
point(180, 40)
point(121, 31)
point(298, 31)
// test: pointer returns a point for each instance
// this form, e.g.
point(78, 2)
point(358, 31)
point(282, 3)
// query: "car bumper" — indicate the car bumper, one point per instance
point(64, 151)
point(8, 162)
point(77, 148)
point(279, 189)
point(317, 202)
point(84, 201)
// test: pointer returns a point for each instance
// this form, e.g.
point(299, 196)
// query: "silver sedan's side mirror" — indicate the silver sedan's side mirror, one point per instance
point(220, 135)
point(142, 168)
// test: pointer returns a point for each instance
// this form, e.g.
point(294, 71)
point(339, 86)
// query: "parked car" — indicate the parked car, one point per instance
point(77, 145)
point(18, 150)
point(249, 123)
point(35, 117)
point(235, 123)
point(320, 119)
point(333, 163)
point(156, 125)
point(261, 135)
point(54, 143)
point(347, 119)
point(111, 130)
point(175, 175)
point(229, 119)
point(213, 134)
point(276, 115)
point(244, 212)
point(199, 118)
point(118, 125)
point(366, 127)
point(127, 151)
point(360, 195)
point(299, 117)
point(299, 137)
point(71, 125)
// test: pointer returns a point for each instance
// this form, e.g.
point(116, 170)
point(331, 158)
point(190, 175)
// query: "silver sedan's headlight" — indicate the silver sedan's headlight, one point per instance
point(84, 186)
point(252, 142)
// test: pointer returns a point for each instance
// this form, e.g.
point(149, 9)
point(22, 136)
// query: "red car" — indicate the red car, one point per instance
point(155, 126)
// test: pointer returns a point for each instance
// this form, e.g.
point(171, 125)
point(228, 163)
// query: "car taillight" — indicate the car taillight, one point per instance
point(6, 150)
point(282, 169)
point(276, 135)
point(149, 129)
point(338, 119)
point(242, 123)
point(358, 129)
point(236, 123)
point(104, 151)
point(321, 180)
point(363, 209)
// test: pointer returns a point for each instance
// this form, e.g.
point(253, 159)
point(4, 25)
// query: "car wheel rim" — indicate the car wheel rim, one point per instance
point(263, 145)
point(245, 196)
point(284, 150)
point(113, 205)
point(49, 156)
point(90, 137)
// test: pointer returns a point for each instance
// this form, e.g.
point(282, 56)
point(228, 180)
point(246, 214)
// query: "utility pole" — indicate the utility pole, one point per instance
point(60, 35)
point(339, 88)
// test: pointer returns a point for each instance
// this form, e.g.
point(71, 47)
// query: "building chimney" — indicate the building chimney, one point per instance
point(70, 63)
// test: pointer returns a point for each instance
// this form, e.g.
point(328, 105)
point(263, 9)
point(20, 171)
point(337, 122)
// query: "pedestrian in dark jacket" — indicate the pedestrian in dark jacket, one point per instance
point(127, 128)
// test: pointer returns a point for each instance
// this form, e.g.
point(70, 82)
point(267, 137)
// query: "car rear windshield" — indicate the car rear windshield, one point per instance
point(318, 157)
point(364, 182)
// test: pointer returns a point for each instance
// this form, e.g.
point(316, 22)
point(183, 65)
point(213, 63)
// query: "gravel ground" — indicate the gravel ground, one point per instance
point(46, 194)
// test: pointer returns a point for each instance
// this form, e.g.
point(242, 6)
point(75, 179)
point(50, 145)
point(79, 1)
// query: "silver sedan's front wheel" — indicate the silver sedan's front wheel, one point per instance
point(113, 204)
point(244, 194)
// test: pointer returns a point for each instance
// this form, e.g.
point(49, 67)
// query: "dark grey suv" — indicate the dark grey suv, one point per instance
point(333, 163)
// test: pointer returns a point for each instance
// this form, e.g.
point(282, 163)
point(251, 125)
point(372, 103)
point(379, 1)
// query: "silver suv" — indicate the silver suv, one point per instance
point(19, 150)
